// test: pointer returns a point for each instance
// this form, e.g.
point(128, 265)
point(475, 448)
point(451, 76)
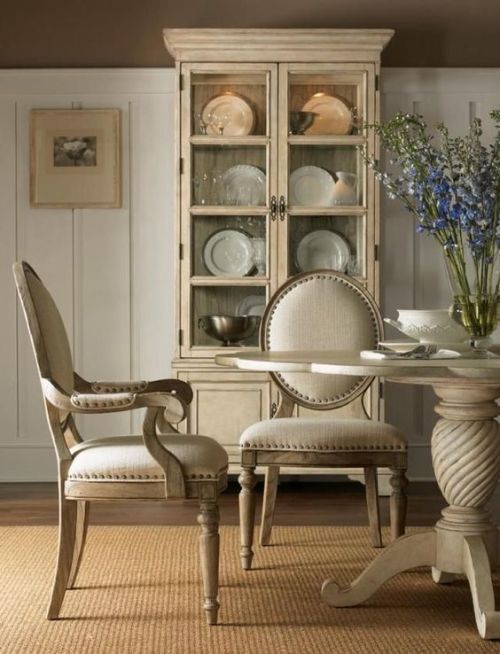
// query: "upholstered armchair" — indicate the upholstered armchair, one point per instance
point(159, 465)
point(320, 310)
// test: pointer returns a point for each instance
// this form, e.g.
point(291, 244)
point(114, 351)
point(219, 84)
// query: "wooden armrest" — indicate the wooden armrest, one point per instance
point(173, 404)
point(172, 386)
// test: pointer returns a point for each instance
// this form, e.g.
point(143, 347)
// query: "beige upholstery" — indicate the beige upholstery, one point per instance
point(55, 361)
point(159, 465)
point(124, 458)
point(321, 311)
point(313, 435)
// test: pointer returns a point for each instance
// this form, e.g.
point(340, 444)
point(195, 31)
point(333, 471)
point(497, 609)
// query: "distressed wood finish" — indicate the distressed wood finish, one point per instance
point(466, 458)
point(165, 402)
point(301, 393)
point(277, 70)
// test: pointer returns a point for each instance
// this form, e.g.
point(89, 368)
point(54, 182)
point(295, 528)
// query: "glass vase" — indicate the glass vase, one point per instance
point(474, 306)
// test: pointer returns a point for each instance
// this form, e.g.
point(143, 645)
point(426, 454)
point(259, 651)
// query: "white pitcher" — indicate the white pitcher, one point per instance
point(344, 189)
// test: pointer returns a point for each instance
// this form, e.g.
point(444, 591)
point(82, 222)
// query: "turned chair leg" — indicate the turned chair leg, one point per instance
point(82, 523)
point(208, 519)
point(268, 503)
point(247, 481)
point(67, 535)
point(372, 503)
point(398, 502)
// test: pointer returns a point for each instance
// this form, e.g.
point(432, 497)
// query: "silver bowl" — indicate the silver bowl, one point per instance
point(300, 121)
point(229, 329)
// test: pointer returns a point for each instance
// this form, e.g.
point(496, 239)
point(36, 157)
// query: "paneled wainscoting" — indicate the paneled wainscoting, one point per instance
point(112, 271)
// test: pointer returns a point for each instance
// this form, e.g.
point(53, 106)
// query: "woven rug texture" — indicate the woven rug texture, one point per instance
point(139, 591)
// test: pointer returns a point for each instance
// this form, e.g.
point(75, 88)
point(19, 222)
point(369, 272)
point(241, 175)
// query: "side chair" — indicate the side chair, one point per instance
point(320, 310)
point(159, 465)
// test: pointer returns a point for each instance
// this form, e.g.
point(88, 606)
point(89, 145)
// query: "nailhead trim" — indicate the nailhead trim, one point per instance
point(96, 477)
point(120, 387)
point(77, 401)
point(278, 300)
point(306, 448)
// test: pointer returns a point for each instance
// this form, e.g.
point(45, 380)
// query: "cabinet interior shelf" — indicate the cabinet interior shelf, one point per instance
point(325, 140)
point(337, 210)
point(229, 140)
point(224, 210)
point(249, 280)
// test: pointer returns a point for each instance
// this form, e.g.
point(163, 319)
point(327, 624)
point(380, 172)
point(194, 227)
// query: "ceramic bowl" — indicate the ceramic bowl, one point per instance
point(428, 326)
point(229, 329)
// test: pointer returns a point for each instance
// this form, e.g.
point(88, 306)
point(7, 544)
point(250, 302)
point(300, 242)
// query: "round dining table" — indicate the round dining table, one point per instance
point(466, 459)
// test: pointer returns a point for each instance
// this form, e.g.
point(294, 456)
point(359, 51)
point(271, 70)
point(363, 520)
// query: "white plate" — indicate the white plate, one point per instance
point(251, 305)
point(244, 185)
point(334, 116)
point(228, 253)
point(311, 186)
point(323, 249)
point(238, 115)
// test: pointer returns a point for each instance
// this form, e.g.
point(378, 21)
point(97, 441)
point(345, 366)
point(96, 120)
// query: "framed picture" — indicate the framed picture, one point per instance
point(75, 158)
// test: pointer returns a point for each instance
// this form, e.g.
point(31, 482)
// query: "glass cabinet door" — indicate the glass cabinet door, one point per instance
point(325, 213)
point(229, 146)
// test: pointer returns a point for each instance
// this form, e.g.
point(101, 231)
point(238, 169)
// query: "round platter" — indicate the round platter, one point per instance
point(239, 114)
point(228, 253)
point(244, 185)
point(311, 186)
point(323, 249)
point(333, 115)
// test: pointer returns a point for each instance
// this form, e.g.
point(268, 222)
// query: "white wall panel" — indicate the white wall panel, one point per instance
point(110, 271)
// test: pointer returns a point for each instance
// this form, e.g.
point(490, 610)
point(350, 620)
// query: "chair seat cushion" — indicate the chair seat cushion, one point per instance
point(125, 458)
point(318, 434)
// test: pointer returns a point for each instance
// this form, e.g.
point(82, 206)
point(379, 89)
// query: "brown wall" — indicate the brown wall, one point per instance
point(127, 33)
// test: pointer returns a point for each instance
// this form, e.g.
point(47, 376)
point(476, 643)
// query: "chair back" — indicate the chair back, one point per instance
point(321, 310)
point(45, 326)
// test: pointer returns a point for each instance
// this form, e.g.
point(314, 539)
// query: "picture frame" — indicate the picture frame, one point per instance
point(75, 158)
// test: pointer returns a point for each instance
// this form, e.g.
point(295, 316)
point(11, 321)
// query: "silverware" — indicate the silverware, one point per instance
point(422, 351)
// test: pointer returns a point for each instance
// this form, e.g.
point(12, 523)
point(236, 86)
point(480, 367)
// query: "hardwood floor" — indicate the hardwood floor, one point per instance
point(317, 503)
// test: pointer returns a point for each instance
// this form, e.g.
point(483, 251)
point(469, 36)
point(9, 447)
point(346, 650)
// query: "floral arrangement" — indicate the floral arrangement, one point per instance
point(452, 186)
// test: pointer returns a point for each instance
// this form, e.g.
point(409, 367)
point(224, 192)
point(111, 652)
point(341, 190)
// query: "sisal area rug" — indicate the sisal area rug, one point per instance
point(139, 591)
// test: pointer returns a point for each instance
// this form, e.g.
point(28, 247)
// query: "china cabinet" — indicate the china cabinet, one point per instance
point(271, 182)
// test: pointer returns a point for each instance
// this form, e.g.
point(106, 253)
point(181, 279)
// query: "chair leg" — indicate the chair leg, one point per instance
point(398, 501)
point(67, 534)
point(268, 503)
point(373, 505)
point(247, 481)
point(208, 519)
point(82, 523)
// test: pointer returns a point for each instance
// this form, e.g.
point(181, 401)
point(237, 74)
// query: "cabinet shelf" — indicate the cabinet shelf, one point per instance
point(229, 281)
point(229, 140)
point(348, 139)
point(227, 210)
point(337, 210)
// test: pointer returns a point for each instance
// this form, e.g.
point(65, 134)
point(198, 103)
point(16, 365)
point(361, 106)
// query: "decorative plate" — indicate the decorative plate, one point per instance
point(334, 116)
point(228, 253)
point(251, 305)
point(323, 249)
point(311, 186)
point(236, 115)
point(244, 185)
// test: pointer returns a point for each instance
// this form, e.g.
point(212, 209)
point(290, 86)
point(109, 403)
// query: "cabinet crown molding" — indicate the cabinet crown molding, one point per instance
point(276, 44)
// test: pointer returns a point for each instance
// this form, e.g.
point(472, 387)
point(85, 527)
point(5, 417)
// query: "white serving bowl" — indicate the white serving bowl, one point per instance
point(428, 326)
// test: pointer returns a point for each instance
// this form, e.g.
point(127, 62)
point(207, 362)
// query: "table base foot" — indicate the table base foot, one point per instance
point(404, 553)
point(478, 571)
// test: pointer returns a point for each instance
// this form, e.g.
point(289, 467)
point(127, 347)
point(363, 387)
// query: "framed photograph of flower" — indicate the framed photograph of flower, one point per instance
point(75, 158)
